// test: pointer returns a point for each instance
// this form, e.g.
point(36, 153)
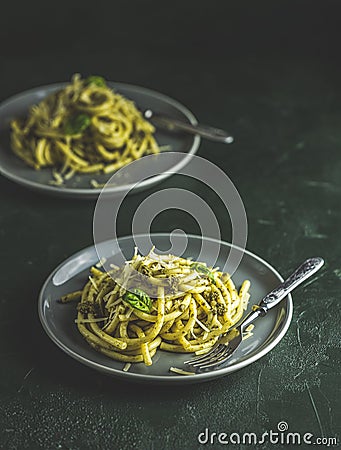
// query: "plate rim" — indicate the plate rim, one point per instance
point(94, 192)
point(167, 379)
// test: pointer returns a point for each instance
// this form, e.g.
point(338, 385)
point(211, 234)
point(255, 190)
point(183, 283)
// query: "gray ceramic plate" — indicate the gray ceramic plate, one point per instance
point(79, 186)
point(58, 319)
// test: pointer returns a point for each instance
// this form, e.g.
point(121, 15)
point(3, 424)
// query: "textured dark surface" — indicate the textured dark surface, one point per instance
point(270, 73)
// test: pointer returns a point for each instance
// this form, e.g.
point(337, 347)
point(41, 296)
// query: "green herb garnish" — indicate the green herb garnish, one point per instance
point(200, 268)
point(138, 299)
point(96, 80)
point(77, 124)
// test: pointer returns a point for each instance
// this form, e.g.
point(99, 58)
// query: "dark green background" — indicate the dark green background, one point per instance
point(270, 73)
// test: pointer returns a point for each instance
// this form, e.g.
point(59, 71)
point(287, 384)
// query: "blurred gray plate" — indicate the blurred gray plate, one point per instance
point(79, 186)
point(58, 319)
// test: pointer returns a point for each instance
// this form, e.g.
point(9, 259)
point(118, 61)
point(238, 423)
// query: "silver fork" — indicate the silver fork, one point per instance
point(230, 341)
point(170, 124)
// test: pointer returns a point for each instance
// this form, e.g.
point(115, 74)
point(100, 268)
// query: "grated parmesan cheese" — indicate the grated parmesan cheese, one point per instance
point(93, 282)
point(204, 327)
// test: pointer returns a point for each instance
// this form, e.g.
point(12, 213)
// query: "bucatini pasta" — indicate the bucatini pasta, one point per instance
point(157, 301)
point(86, 127)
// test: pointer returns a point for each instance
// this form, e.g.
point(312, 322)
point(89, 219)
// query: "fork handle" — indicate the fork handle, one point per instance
point(214, 134)
point(304, 271)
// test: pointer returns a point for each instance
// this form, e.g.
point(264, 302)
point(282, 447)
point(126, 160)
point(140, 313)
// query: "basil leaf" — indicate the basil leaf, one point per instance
point(96, 80)
point(77, 124)
point(200, 268)
point(138, 299)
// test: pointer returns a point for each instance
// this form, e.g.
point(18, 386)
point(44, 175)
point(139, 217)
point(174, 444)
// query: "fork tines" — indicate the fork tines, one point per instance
point(206, 357)
point(216, 356)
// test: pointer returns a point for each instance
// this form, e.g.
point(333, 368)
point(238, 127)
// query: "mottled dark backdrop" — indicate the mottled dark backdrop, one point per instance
point(270, 73)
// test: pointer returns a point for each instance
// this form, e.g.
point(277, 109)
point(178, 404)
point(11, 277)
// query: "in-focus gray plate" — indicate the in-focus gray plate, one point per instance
point(79, 186)
point(58, 319)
